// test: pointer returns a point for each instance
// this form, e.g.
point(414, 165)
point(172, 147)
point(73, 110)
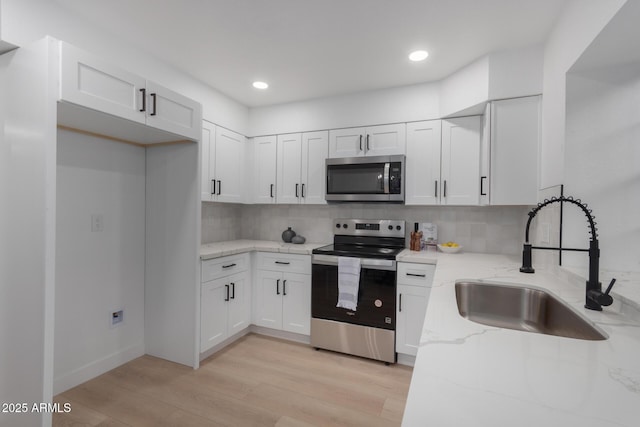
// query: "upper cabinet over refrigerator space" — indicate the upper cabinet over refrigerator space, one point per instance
point(380, 140)
point(89, 82)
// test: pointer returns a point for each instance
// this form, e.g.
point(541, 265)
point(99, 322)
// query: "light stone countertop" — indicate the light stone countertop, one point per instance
point(219, 249)
point(471, 374)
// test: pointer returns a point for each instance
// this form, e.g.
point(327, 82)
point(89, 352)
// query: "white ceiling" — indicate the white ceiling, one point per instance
point(316, 48)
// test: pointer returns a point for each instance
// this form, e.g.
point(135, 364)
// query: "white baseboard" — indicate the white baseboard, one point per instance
point(405, 359)
point(64, 382)
point(289, 336)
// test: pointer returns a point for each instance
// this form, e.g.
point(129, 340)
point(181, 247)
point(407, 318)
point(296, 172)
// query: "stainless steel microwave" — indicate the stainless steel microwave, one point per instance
point(366, 179)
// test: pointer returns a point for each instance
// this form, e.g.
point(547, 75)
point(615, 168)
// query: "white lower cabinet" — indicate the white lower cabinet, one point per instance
point(283, 292)
point(414, 285)
point(225, 299)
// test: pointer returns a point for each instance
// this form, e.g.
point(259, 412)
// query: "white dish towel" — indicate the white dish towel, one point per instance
point(348, 282)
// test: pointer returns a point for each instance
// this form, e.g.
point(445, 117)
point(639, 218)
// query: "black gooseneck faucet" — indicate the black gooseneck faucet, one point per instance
point(594, 297)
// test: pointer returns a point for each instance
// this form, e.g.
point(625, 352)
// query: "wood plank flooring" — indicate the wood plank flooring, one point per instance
point(256, 381)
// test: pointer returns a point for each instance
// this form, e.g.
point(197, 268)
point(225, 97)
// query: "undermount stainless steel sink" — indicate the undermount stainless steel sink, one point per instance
point(522, 308)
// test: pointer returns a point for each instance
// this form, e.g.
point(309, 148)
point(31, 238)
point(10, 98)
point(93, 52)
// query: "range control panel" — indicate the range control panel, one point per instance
point(369, 227)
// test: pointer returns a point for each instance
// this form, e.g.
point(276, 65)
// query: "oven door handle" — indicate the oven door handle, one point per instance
point(368, 263)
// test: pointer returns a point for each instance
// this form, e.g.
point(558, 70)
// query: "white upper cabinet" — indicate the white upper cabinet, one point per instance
point(422, 174)
point(368, 141)
point(289, 168)
point(172, 112)
point(264, 169)
point(91, 82)
point(514, 151)
point(229, 165)
point(223, 167)
point(461, 161)
point(88, 81)
point(301, 167)
point(315, 148)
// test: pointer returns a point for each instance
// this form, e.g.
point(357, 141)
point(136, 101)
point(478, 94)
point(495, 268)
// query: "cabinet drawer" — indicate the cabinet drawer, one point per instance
point(415, 274)
point(288, 263)
point(221, 267)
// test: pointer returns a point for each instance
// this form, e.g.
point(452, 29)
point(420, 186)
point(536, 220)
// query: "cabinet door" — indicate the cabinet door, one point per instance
point(239, 303)
point(93, 83)
point(207, 161)
point(422, 176)
point(411, 309)
point(315, 147)
point(461, 161)
point(172, 112)
point(296, 303)
point(347, 142)
point(269, 299)
point(213, 313)
point(385, 140)
point(515, 137)
point(229, 166)
point(289, 155)
point(264, 169)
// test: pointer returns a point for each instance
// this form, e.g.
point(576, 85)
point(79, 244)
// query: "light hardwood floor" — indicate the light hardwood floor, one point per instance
point(256, 381)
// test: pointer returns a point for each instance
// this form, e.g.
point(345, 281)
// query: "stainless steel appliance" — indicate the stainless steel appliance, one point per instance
point(366, 179)
point(369, 331)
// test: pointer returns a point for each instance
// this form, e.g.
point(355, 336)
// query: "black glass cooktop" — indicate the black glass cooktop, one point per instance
point(358, 251)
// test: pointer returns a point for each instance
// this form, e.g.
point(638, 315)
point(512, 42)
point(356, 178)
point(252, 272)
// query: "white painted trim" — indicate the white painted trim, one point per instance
point(96, 368)
point(406, 359)
point(290, 336)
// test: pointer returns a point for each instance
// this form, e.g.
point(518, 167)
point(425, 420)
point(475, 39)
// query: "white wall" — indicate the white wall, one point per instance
point(24, 21)
point(578, 25)
point(27, 233)
point(516, 72)
point(394, 105)
point(465, 88)
point(98, 272)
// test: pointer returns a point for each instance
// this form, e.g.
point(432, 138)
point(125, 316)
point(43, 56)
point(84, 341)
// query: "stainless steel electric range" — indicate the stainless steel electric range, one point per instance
point(369, 330)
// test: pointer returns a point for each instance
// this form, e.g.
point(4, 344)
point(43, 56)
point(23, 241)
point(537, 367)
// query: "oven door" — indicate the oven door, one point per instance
point(376, 294)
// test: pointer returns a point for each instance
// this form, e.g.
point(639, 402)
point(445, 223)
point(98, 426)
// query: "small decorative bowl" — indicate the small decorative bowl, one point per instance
point(449, 249)
point(298, 240)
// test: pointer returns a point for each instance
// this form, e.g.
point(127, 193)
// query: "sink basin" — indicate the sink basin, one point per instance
point(522, 308)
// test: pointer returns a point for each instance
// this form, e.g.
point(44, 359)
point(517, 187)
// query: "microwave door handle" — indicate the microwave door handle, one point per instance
point(387, 166)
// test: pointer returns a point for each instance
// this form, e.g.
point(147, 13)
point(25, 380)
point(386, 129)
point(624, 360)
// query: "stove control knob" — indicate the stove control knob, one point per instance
point(337, 225)
point(391, 227)
point(344, 225)
point(398, 228)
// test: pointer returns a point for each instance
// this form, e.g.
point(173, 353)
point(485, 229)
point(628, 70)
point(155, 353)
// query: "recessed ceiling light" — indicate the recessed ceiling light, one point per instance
point(418, 55)
point(260, 85)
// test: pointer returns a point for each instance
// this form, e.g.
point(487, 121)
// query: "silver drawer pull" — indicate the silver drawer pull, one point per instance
point(229, 266)
point(416, 275)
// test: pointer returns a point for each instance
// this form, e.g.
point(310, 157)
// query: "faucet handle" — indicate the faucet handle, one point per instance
point(613, 281)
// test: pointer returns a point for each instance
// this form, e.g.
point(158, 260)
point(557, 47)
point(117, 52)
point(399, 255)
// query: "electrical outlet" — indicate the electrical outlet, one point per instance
point(97, 223)
point(117, 317)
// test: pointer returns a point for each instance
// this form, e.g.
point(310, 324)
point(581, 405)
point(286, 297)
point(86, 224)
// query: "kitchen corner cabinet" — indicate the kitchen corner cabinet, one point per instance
point(414, 285)
point(515, 129)
point(222, 171)
point(301, 167)
point(422, 166)
point(88, 81)
point(443, 162)
point(380, 140)
point(460, 159)
point(225, 299)
point(283, 292)
point(264, 169)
